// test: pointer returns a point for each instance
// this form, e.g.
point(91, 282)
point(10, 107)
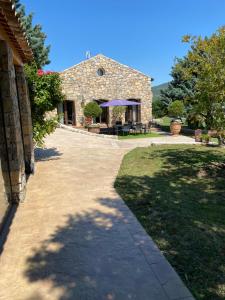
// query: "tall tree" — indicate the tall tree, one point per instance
point(180, 88)
point(207, 64)
point(44, 87)
point(35, 35)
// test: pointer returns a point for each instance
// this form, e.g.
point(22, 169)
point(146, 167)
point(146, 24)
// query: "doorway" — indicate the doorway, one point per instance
point(104, 117)
point(133, 113)
point(69, 112)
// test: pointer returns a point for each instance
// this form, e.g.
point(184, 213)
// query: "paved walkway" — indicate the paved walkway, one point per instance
point(165, 139)
point(75, 239)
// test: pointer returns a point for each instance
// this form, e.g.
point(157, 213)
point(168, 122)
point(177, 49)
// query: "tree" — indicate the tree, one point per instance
point(158, 108)
point(35, 36)
point(207, 64)
point(180, 87)
point(118, 112)
point(44, 87)
point(176, 109)
point(92, 110)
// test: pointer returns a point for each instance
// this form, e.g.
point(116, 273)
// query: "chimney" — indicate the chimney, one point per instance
point(88, 54)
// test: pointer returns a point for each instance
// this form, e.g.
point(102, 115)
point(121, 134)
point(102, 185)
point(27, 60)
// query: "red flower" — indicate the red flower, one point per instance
point(40, 72)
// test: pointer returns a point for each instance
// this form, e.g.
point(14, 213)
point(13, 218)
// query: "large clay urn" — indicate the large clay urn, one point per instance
point(175, 127)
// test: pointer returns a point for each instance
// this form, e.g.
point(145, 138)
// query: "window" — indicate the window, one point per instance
point(101, 72)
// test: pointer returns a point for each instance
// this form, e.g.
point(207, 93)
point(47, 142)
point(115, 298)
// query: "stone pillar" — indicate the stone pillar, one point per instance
point(146, 110)
point(4, 159)
point(25, 117)
point(11, 119)
point(110, 121)
point(123, 118)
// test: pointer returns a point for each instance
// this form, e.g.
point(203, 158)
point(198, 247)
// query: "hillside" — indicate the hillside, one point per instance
point(156, 89)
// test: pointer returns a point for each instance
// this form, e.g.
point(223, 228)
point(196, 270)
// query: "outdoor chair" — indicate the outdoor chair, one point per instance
point(150, 125)
point(126, 129)
point(138, 128)
point(118, 122)
point(117, 129)
point(145, 128)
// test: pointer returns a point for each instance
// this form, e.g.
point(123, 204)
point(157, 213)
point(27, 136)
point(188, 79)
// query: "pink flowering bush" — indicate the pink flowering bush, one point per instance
point(45, 95)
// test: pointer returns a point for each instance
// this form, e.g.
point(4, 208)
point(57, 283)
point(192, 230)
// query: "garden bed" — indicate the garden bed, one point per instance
point(177, 193)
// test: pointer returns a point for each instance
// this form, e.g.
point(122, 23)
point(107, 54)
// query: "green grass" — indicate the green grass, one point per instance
point(165, 121)
point(178, 194)
point(139, 136)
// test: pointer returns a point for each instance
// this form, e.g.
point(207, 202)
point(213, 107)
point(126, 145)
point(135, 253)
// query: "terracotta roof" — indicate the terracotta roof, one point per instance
point(10, 22)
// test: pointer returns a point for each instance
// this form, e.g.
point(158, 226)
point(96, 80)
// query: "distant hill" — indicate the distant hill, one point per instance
point(156, 89)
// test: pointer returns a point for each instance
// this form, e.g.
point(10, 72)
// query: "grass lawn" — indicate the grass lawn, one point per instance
point(139, 136)
point(165, 121)
point(178, 194)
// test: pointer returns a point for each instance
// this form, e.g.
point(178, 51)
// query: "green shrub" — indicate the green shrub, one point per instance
point(205, 137)
point(92, 109)
point(176, 109)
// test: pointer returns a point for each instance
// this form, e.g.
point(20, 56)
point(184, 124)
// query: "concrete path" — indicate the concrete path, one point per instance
point(75, 239)
point(165, 139)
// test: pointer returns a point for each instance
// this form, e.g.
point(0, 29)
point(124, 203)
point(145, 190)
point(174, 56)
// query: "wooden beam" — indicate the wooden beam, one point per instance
point(10, 22)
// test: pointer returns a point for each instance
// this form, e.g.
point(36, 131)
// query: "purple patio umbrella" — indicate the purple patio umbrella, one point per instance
point(119, 103)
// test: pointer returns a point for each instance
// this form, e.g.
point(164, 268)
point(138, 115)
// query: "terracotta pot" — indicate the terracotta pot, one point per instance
point(198, 135)
point(175, 128)
point(94, 129)
point(88, 120)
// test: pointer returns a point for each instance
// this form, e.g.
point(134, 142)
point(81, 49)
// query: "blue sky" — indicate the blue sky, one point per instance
point(143, 34)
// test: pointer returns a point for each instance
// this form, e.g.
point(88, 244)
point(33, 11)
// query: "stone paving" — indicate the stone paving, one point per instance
point(165, 139)
point(75, 239)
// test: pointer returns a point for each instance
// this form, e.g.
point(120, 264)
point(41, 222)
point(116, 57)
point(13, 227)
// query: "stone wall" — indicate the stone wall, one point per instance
point(82, 84)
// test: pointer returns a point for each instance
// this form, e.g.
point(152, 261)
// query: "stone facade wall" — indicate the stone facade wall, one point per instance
point(82, 84)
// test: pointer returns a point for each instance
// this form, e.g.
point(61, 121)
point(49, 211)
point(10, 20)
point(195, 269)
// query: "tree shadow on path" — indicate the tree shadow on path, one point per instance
point(43, 154)
point(93, 256)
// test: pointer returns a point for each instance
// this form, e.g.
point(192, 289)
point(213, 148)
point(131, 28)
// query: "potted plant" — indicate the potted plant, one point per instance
point(118, 113)
point(91, 111)
point(176, 111)
point(198, 135)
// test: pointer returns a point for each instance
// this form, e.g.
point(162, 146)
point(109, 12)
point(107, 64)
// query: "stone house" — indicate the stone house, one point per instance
point(101, 79)
point(16, 147)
